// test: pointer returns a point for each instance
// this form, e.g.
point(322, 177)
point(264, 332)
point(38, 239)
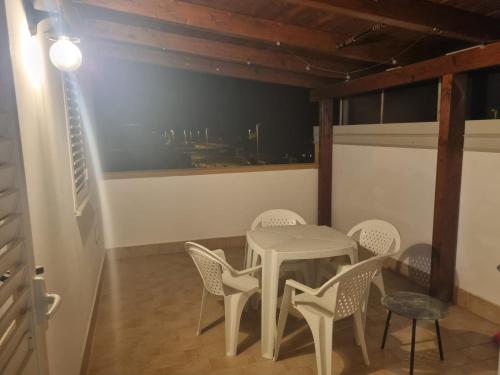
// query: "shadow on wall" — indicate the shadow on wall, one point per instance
point(415, 263)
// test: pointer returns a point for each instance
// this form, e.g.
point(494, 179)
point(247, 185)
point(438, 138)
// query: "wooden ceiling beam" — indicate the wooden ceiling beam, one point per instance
point(471, 59)
point(240, 26)
point(214, 49)
point(99, 49)
point(418, 15)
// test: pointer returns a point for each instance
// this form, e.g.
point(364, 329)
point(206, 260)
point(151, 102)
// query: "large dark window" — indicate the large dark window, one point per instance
point(151, 117)
point(411, 103)
point(484, 94)
point(363, 109)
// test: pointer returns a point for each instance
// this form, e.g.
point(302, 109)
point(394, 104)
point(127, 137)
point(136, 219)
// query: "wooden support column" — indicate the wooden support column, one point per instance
point(448, 185)
point(325, 162)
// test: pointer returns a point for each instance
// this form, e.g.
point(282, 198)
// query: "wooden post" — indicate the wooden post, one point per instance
point(325, 162)
point(448, 185)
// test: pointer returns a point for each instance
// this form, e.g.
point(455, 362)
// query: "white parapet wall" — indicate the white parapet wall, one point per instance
point(151, 210)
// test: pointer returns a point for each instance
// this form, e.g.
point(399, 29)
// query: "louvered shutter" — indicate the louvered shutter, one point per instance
point(21, 338)
point(16, 343)
point(77, 142)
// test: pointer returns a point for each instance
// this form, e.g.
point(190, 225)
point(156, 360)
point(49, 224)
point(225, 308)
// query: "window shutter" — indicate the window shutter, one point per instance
point(77, 142)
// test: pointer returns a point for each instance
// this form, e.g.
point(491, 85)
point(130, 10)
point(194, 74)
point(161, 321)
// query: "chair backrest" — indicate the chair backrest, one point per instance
point(377, 236)
point(277, 217)
point(209, 265)
point(350, 287)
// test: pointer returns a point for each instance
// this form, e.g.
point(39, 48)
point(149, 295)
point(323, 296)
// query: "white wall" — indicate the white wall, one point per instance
point(479, 229)
point(68, 246)
point(397, 184)
point(393, 184)
point(169, 209)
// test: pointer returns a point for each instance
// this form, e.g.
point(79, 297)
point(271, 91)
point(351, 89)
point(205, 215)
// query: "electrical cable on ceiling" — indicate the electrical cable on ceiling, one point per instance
point(347, 74)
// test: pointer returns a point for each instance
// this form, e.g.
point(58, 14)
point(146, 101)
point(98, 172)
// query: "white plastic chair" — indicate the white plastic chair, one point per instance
point(220, 279)
point(377, 236)
point(340, 297)
point(271, 218)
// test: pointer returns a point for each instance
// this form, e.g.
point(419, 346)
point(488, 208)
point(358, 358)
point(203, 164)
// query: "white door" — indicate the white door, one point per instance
point(24, 305)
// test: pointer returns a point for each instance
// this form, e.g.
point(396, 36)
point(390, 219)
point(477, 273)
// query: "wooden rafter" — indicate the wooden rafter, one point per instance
point(418, 15)
point(200, 64)
point(214, 49)
point(476, 58)
point(240, 26)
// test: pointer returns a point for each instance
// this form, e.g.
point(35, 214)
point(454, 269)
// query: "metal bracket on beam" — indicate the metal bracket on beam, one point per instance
point(358, 37)
point(35, 16)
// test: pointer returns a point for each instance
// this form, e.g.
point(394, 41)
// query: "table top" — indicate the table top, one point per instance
point(415, 305)
point(299, 238)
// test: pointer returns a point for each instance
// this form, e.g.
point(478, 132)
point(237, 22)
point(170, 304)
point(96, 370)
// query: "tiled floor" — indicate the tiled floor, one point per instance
point(148, 312)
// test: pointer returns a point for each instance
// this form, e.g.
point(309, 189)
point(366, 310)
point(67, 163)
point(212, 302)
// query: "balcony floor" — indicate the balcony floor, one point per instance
point(148, 311)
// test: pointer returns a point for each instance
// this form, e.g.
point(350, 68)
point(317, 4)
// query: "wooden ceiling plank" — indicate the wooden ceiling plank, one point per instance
point(199, 64)
point(471, 59)
point(417, 15)
point(240, 26)
point(214, 49)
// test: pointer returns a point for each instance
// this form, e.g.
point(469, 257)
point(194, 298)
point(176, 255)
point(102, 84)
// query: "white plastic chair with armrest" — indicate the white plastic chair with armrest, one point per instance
point(221, 279)
point(378, 237)
point(338, 298)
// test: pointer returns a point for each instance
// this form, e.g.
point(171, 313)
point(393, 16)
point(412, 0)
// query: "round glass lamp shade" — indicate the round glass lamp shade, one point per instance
point(65, 55)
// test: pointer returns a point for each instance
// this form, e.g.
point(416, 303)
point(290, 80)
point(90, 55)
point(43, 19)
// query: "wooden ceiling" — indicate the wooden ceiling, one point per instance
point(285, 41)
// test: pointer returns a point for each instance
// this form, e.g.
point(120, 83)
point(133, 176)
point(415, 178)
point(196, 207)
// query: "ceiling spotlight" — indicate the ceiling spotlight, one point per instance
point(65, 54)
point(217, 69)
point(308, 67)
point(347, 77)
point(394, 61)
point(249, 62)
point(278, 43)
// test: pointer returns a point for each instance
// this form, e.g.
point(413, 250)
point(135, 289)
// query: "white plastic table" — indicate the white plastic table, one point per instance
point(281, 243)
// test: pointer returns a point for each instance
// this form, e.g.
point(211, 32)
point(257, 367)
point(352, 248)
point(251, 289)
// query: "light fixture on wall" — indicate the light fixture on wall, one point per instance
point(64, 52)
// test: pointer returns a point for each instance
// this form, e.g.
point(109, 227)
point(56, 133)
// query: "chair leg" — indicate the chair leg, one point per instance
point(322, 331)
point(285, 307)
point(204, 297)
point(412, 354)
point(360, 333)
point(386, 329)
point(440, 344)
point(233, 306)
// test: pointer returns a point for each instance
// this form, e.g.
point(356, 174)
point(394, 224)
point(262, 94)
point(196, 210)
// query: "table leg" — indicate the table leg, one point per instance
point(386, 329)
point(270, 277)
point(412, 353)
point(438, 334)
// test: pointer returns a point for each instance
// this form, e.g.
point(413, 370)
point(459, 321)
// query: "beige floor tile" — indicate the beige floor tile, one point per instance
point(148, 312)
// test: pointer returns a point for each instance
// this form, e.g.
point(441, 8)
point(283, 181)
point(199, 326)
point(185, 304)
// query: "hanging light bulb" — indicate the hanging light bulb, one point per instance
point(65, 54)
